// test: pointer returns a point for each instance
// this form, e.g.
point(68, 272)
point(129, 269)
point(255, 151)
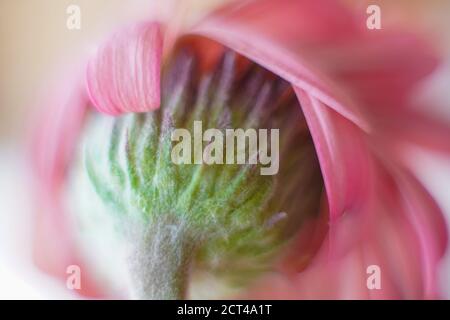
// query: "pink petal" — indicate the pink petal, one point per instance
point(343, 155)
point(378, 68)
point(124, 76)
point(430, 226)
point(61, 114)
point(416, 128)
point(401, 231)
point(323, 48)
point(262, 38)
point(60, 119)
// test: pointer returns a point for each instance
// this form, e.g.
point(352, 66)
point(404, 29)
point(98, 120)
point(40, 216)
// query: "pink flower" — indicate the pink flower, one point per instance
point(354, 86)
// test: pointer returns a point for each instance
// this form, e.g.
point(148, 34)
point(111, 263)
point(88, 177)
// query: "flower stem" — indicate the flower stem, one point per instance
point(160, 261)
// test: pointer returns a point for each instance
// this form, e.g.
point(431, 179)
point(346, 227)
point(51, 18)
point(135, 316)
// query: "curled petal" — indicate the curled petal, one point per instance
point(342, 152)
point(429, 224)
point(124, 76)
point(268, 40)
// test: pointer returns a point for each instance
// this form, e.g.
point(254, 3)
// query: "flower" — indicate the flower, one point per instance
point(354, 87)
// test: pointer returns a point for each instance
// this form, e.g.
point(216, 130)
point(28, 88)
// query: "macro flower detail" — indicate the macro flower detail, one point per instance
point(344, 198)
point(125, 76)
point(226, 219)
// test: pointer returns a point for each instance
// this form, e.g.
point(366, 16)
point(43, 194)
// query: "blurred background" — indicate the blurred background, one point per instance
point(34, 42)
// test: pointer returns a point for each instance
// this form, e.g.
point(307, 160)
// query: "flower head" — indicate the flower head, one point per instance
point(299, 65)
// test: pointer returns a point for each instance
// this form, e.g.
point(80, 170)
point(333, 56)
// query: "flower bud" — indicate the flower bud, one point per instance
point(182, 200)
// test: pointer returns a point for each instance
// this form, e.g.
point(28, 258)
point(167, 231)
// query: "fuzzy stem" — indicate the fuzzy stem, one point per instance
point(160, 261)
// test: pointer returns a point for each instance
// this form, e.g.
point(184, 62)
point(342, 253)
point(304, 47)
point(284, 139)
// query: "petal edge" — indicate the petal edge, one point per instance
point(124, 76)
